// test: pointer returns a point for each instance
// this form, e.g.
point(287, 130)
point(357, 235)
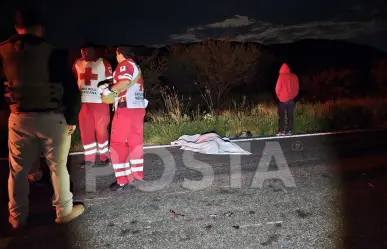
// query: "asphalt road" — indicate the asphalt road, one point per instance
point(338, 200)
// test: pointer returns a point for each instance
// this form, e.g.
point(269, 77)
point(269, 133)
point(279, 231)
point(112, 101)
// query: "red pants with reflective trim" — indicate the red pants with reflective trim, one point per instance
point(126, 144)
point(94, 119)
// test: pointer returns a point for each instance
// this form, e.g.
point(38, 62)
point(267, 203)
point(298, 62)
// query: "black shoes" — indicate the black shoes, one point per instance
point(281, 133)
point(118, 187)
point(131, 185)
point(104, 163)
point(86, 164)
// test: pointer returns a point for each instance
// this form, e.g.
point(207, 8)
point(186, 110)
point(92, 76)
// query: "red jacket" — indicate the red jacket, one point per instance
point(287, 84)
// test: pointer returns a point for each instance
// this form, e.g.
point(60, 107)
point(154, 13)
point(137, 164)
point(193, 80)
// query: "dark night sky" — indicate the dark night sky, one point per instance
point(155, 22)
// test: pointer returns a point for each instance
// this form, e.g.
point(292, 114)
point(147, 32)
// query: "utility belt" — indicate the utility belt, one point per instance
point(122, 104)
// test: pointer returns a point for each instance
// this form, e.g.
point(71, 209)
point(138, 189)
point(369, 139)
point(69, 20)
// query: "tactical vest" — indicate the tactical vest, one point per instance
point(32, 85)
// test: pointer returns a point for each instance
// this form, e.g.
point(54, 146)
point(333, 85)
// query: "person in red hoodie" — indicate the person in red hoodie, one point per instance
point(287, 90)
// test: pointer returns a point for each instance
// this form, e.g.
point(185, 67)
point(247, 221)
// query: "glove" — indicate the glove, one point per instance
point(106, 92)
point(103, 87)
point(103, 82)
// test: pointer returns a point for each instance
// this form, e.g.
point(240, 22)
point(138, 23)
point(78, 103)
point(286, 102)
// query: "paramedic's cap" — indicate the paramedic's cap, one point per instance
point(27, 18)
point(126, 51)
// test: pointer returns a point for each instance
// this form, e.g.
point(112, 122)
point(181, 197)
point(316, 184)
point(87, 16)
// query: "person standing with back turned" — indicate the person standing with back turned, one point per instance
point(94, 117)
point(287, 90)
point(44, 100)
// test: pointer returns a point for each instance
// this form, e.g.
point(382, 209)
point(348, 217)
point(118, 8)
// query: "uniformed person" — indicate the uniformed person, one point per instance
point(44, 101)
point(94, 117)
point(127, 133)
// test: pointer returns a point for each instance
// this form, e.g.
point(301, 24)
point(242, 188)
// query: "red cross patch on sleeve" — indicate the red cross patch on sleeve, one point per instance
point(108, 69)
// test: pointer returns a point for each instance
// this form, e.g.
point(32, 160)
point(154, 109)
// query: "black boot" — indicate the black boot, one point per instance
point(117, 187)
point(105, 163)
point(86, 164)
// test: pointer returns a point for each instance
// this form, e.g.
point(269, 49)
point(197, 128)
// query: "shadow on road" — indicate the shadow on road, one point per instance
point(41, 227)
point(362, 170)
point(360, 165)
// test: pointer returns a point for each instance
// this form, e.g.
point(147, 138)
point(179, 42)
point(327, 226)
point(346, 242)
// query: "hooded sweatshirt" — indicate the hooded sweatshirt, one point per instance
point(287, 84)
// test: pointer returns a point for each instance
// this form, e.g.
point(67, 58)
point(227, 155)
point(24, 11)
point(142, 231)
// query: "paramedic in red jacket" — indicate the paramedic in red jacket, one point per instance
point(126, 141)
point(94, 117)
point(287, 90)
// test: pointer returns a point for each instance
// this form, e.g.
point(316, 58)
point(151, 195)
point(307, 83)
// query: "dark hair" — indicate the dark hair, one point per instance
point(88, 44)
point(26, 18)
point(127, 52)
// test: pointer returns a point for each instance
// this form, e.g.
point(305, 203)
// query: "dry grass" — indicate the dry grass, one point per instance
point(164, 126)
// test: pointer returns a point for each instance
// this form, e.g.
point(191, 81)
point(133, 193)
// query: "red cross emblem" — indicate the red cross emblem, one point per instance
point(88, 76)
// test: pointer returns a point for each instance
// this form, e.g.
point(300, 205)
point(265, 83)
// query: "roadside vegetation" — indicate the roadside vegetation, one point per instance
point(227, 88)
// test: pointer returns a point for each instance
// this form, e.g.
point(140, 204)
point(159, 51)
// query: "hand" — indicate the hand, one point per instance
point(106, 92)
point(101, 88)
point(71, 128)
point(107, 81)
